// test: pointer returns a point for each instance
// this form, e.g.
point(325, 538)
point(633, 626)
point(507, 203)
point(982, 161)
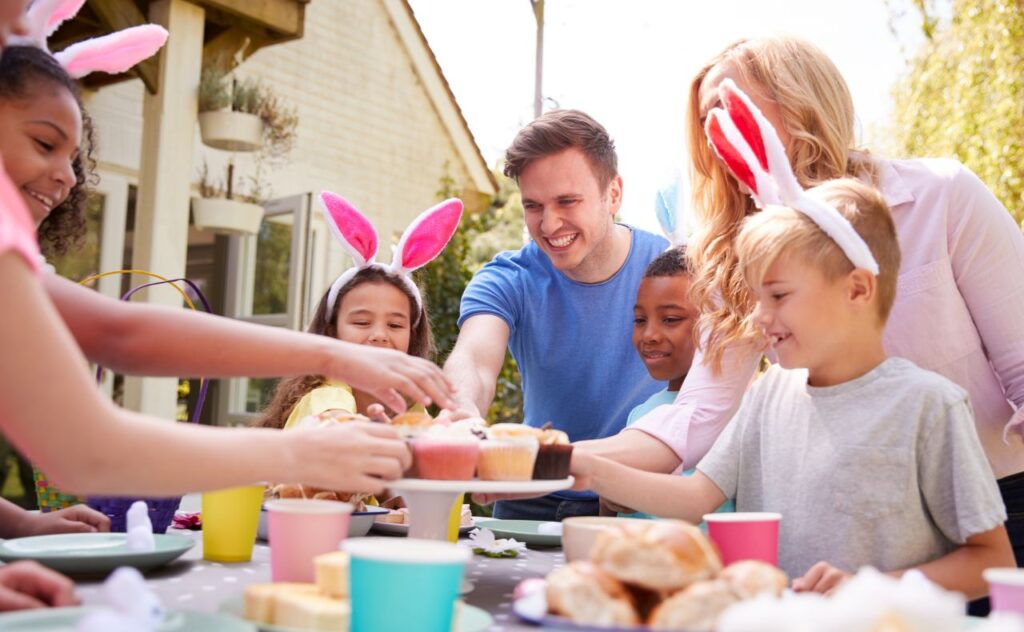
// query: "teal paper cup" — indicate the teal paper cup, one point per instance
point(426, 574)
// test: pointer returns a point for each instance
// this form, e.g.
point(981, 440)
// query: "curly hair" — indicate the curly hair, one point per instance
point(290, 390)
point(22, 69)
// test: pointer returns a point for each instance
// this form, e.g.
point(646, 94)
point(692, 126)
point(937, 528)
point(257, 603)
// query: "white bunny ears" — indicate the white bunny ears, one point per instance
point(421, 242)
point(750, 147)
point(113, 54)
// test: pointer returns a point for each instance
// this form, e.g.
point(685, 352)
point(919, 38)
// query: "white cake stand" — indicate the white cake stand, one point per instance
point(430, 502)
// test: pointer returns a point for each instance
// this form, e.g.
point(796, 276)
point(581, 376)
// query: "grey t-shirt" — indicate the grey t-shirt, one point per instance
point(885, 470)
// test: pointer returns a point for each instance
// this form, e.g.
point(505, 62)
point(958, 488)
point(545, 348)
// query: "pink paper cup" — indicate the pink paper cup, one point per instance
point(745, 536)
point(299, 530)
point(1005, 589)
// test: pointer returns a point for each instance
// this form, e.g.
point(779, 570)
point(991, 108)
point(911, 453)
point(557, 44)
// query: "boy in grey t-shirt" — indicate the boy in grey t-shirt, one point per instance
point(870, 460)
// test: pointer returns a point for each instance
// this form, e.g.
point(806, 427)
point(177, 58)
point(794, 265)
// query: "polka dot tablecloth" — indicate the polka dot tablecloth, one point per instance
point(195, 584)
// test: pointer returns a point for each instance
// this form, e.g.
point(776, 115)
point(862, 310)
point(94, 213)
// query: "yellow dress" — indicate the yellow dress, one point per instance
point(331, 396)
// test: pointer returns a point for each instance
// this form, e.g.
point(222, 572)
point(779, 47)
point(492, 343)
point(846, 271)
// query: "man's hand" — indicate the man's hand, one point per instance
point(822, 578)
point(27, 585)
point(76, 519)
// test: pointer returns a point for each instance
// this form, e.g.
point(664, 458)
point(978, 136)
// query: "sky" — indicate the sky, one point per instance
point(628, 63)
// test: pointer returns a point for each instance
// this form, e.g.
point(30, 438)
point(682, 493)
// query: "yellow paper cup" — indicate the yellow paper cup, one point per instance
point(455, 519)
point(230, 518)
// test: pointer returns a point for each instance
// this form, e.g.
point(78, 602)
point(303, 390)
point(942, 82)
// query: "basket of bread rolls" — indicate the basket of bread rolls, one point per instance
point(659, 575)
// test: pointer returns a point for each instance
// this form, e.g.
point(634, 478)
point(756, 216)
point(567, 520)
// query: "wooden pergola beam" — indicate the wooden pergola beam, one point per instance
point(280, 16)
point(116, 15)
point(224, 48)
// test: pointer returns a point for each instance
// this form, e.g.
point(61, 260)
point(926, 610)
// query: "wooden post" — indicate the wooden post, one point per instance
point(162, 215)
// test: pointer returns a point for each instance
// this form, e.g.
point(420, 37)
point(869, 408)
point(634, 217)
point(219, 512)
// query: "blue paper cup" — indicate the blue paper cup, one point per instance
point(426, 574)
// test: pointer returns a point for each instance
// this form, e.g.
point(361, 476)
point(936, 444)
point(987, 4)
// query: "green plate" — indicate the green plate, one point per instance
point(521, 530)
point(65, 619)
point(471, 618)
point(93, 553)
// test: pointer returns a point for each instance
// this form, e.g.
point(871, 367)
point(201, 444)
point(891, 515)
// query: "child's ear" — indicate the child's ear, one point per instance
point(862, 287)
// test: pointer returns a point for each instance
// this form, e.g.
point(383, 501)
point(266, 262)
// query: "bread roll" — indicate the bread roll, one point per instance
point(585, 594)
point(750, 578)
point(695, 609)
point(660, 555)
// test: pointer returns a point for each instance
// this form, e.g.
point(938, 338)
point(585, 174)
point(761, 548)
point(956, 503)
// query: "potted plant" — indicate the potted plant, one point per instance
point(223, 209)
point(227, 119)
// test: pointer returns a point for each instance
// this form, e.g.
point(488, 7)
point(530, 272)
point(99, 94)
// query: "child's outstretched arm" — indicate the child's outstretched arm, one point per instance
point(140, 339)
point(958, 570)
point(52, 411)
point(664, 495)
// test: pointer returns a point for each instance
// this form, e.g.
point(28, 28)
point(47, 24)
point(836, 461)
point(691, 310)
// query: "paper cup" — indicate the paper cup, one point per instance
point(299, 530)
point(422, 575)
point(745, 536)
point(1005, 589)
point(230, 519)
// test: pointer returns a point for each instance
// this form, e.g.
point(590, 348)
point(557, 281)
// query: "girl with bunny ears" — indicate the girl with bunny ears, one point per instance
point(369, 304)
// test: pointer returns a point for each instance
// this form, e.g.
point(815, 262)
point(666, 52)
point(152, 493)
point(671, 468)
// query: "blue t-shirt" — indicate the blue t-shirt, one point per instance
point(572, 341)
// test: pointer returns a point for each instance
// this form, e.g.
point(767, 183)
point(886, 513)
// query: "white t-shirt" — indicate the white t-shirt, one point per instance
point(885, 470)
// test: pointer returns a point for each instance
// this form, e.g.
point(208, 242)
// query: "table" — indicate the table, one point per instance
point(194, 584)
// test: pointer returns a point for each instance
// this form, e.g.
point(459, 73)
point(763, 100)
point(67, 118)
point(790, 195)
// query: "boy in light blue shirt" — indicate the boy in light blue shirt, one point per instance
point(663, 335)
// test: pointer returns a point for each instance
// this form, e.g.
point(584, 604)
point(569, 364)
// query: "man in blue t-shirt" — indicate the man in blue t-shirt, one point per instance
point(563, 304)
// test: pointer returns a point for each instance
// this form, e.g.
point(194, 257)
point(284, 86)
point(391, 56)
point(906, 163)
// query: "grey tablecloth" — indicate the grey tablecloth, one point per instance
point(195, 584)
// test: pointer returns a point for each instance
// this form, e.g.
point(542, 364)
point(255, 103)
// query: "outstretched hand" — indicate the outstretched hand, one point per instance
point(75, 519)
point(27, 585)
point(354, 456)
point(387, 374)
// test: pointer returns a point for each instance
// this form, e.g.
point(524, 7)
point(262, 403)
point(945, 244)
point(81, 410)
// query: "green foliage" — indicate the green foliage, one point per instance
point(964, 95)
point(480, 236)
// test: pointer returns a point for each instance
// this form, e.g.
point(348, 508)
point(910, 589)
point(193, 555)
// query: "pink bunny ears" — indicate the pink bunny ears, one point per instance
point(113, 54)
point(421, 242)
point(750, 147)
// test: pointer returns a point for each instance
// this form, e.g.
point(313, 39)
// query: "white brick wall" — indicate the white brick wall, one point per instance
point(367, 128)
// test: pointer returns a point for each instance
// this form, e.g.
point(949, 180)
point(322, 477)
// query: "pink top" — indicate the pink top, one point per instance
point(959, 311)
point(17, 232)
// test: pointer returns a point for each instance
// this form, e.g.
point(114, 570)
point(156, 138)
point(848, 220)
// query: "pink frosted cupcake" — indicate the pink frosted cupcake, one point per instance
point(509, 453)
point(445, 454)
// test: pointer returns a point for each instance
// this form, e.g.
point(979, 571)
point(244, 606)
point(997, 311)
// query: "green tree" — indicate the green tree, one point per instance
point(480, 236)
point(964, 94)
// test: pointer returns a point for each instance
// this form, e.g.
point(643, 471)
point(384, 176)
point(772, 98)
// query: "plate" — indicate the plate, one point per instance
point(521, 530)
point(93, 553)
point(482, 487)
point(390, 528)
point(63, 619)
point(533, 608)
point(470, 618)
point(358, 525)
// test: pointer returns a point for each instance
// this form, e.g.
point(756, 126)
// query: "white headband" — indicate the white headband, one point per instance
point(750, 147)
point(421, 242)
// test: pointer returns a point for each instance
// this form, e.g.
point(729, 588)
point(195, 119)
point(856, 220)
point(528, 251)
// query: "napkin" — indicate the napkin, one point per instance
point(140, 528)
point(133, 607)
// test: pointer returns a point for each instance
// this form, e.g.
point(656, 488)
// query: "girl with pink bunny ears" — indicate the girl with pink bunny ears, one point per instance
point(371, 304)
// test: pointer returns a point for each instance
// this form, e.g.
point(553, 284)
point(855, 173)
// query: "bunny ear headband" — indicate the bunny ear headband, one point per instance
point(750, 147)
point(421, 242)
point(672, 215)
point(114, 53)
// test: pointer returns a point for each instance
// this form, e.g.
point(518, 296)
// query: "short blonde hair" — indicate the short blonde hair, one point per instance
point(779, 229)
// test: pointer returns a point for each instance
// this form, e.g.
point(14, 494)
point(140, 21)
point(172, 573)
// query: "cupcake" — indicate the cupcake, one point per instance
point(553, 455)
point(446, 454)
point(509, 453)
point(412, 424)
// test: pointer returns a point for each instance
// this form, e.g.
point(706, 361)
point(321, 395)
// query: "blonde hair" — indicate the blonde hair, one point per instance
point(765, 236)
point(817, 112)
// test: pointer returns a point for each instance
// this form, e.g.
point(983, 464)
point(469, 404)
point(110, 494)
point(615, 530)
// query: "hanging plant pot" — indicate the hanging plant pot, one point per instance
point(231, 131)
point(229, 217)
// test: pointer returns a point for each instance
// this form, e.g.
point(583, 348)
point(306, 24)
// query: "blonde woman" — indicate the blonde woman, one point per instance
point(960, 299)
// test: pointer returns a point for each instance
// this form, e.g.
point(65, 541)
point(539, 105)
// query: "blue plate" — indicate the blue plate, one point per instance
point(93, 553)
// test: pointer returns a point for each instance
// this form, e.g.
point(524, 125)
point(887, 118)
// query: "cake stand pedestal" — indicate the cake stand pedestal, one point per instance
point(430, 502)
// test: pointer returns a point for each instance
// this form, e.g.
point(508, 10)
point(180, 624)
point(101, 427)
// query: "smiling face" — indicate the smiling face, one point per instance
point(806, 317)
point(570, 215)
point(39, 139)
point(375, 313)
point(663, 328)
